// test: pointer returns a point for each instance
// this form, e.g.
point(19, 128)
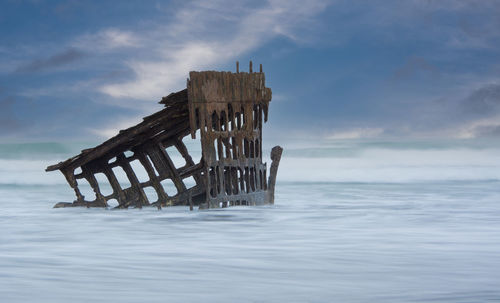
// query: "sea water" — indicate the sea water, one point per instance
point(354, 221)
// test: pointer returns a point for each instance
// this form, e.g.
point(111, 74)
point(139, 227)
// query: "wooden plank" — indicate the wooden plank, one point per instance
point(155, 182)
point(275, 157)
point(173, 171)
point(136, 186)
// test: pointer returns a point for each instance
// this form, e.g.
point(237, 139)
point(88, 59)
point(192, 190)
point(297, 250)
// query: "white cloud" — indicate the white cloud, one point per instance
point(202, 36)
point(106, 40)
point(112, 129)
point(356, 133)
point(485, 127)
point(157, 78)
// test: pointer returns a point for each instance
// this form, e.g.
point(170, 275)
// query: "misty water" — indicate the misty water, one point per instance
point(354, 221)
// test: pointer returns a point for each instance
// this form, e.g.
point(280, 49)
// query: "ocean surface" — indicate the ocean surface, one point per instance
point(354, 221)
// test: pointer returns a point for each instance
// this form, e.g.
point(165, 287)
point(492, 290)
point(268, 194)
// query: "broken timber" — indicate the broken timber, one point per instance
point(228, 109)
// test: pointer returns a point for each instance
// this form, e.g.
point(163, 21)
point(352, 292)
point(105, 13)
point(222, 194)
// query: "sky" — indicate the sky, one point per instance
point(82, 70)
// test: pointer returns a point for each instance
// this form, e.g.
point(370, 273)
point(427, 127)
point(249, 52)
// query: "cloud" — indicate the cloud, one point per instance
point(447, 24)
point(446, 45)
point(106, 40)
point(488, 131)
point(357, 133)
point(479, 113)
point(474, 116)
point(111, 130)
point(480, 128)
point(484, 100)
point(190, 42)
point(66, 57)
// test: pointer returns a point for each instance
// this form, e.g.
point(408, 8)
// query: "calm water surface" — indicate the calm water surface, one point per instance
point(333, 241)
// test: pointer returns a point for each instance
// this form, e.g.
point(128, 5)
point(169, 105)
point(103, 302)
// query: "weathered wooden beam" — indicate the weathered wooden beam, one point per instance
point(155, 182)
point(99, 200)
point(275, 157)
point(70, 177)
point(172, 170)
point(117, 190)
point(136, 186)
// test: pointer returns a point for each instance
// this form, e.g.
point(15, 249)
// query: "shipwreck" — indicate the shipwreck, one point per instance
point(227, 110)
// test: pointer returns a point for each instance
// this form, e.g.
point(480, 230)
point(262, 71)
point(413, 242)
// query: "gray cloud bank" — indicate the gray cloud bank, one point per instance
point(66, 57)
point(481, 112)
point(483, 101)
